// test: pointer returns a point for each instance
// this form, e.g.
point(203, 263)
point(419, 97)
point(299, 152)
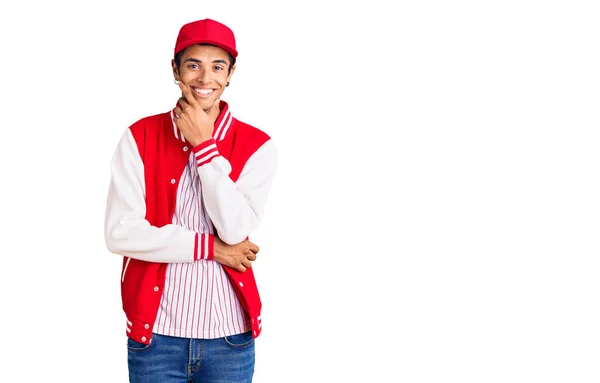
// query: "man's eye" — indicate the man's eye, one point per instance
point(218, 68)
point(193, 66)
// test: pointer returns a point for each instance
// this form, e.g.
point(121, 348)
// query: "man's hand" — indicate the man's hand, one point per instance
point(196, 124)
point(239, 256)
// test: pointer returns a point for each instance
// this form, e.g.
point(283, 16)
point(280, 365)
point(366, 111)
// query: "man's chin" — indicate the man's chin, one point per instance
point(206, 103)
point(207, 106)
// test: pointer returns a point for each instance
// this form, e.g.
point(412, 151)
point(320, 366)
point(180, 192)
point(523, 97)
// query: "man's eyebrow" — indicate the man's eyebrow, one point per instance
point(218, 61)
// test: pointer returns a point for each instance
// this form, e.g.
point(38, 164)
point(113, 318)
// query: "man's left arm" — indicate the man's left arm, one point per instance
point(235, 208)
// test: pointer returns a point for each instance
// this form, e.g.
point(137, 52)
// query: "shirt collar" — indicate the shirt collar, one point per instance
point(222, 124)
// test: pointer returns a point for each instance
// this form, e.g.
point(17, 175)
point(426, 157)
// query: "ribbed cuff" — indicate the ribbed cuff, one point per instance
point(205, 247)
point(206, 151)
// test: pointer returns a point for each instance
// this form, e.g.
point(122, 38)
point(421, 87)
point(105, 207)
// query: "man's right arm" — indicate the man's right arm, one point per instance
point(128, 233)
point(126, 230)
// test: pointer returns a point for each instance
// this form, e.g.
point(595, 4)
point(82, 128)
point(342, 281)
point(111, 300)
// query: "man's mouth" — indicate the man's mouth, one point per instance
point(203, 92)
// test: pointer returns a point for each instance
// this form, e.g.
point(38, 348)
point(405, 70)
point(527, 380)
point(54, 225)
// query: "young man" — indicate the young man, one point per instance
point(187, 188)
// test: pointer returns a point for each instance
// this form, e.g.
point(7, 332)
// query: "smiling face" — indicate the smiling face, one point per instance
point(206, 69)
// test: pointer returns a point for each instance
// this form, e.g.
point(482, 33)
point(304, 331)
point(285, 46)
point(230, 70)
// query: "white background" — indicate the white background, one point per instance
point(436, 210)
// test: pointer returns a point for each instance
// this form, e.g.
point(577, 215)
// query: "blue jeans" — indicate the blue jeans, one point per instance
point(170, 359)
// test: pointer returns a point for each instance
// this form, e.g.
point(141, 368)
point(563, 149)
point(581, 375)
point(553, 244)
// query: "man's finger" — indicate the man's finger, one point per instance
point(177, 112)
point(182, 102)
point(253, 248)
point(187, 93)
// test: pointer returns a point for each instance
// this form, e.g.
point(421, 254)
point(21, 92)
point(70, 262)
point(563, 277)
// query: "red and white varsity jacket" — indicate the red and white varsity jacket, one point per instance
point(236, 170)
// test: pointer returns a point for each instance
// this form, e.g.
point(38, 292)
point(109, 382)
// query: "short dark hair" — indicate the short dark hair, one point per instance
point(231, 59)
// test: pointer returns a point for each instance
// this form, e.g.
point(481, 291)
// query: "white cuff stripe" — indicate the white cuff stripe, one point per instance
point(205, 246)
point(207, 157)
point(208, 148)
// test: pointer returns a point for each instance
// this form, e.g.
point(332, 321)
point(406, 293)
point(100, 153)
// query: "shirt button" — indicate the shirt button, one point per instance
point(173, 181)
point(155, 288)
point(241, 284)
point(185, 148)
point(146, 326)
point(143, 339)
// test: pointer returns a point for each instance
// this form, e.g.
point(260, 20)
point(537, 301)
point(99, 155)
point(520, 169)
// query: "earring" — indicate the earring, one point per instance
point(227, 83)
point(176, 81)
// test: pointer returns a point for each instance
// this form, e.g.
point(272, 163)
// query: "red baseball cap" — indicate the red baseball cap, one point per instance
point(206, 31)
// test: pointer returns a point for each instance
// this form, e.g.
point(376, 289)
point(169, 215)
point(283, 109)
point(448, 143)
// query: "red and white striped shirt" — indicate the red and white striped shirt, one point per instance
point(198, 300)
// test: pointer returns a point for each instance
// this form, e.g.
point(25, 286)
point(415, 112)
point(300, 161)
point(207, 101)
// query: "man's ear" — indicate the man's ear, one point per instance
point(175, 70)
point(230, 73)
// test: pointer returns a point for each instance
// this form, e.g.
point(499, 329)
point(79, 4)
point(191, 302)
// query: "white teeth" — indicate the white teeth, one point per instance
point(203, 91)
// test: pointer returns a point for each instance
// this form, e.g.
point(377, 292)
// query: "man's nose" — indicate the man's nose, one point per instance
point(204, 77)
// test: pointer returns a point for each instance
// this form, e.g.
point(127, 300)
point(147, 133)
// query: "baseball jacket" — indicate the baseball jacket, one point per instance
point(236, 170)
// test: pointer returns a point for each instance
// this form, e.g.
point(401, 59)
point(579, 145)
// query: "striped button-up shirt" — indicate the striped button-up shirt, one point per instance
point(198, 300)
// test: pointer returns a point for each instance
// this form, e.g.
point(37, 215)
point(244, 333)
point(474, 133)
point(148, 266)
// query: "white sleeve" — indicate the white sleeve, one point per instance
point(126, 230)
point(237, 208)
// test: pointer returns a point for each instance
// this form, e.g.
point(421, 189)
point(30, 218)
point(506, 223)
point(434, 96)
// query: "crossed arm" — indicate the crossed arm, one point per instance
point(235, 209)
